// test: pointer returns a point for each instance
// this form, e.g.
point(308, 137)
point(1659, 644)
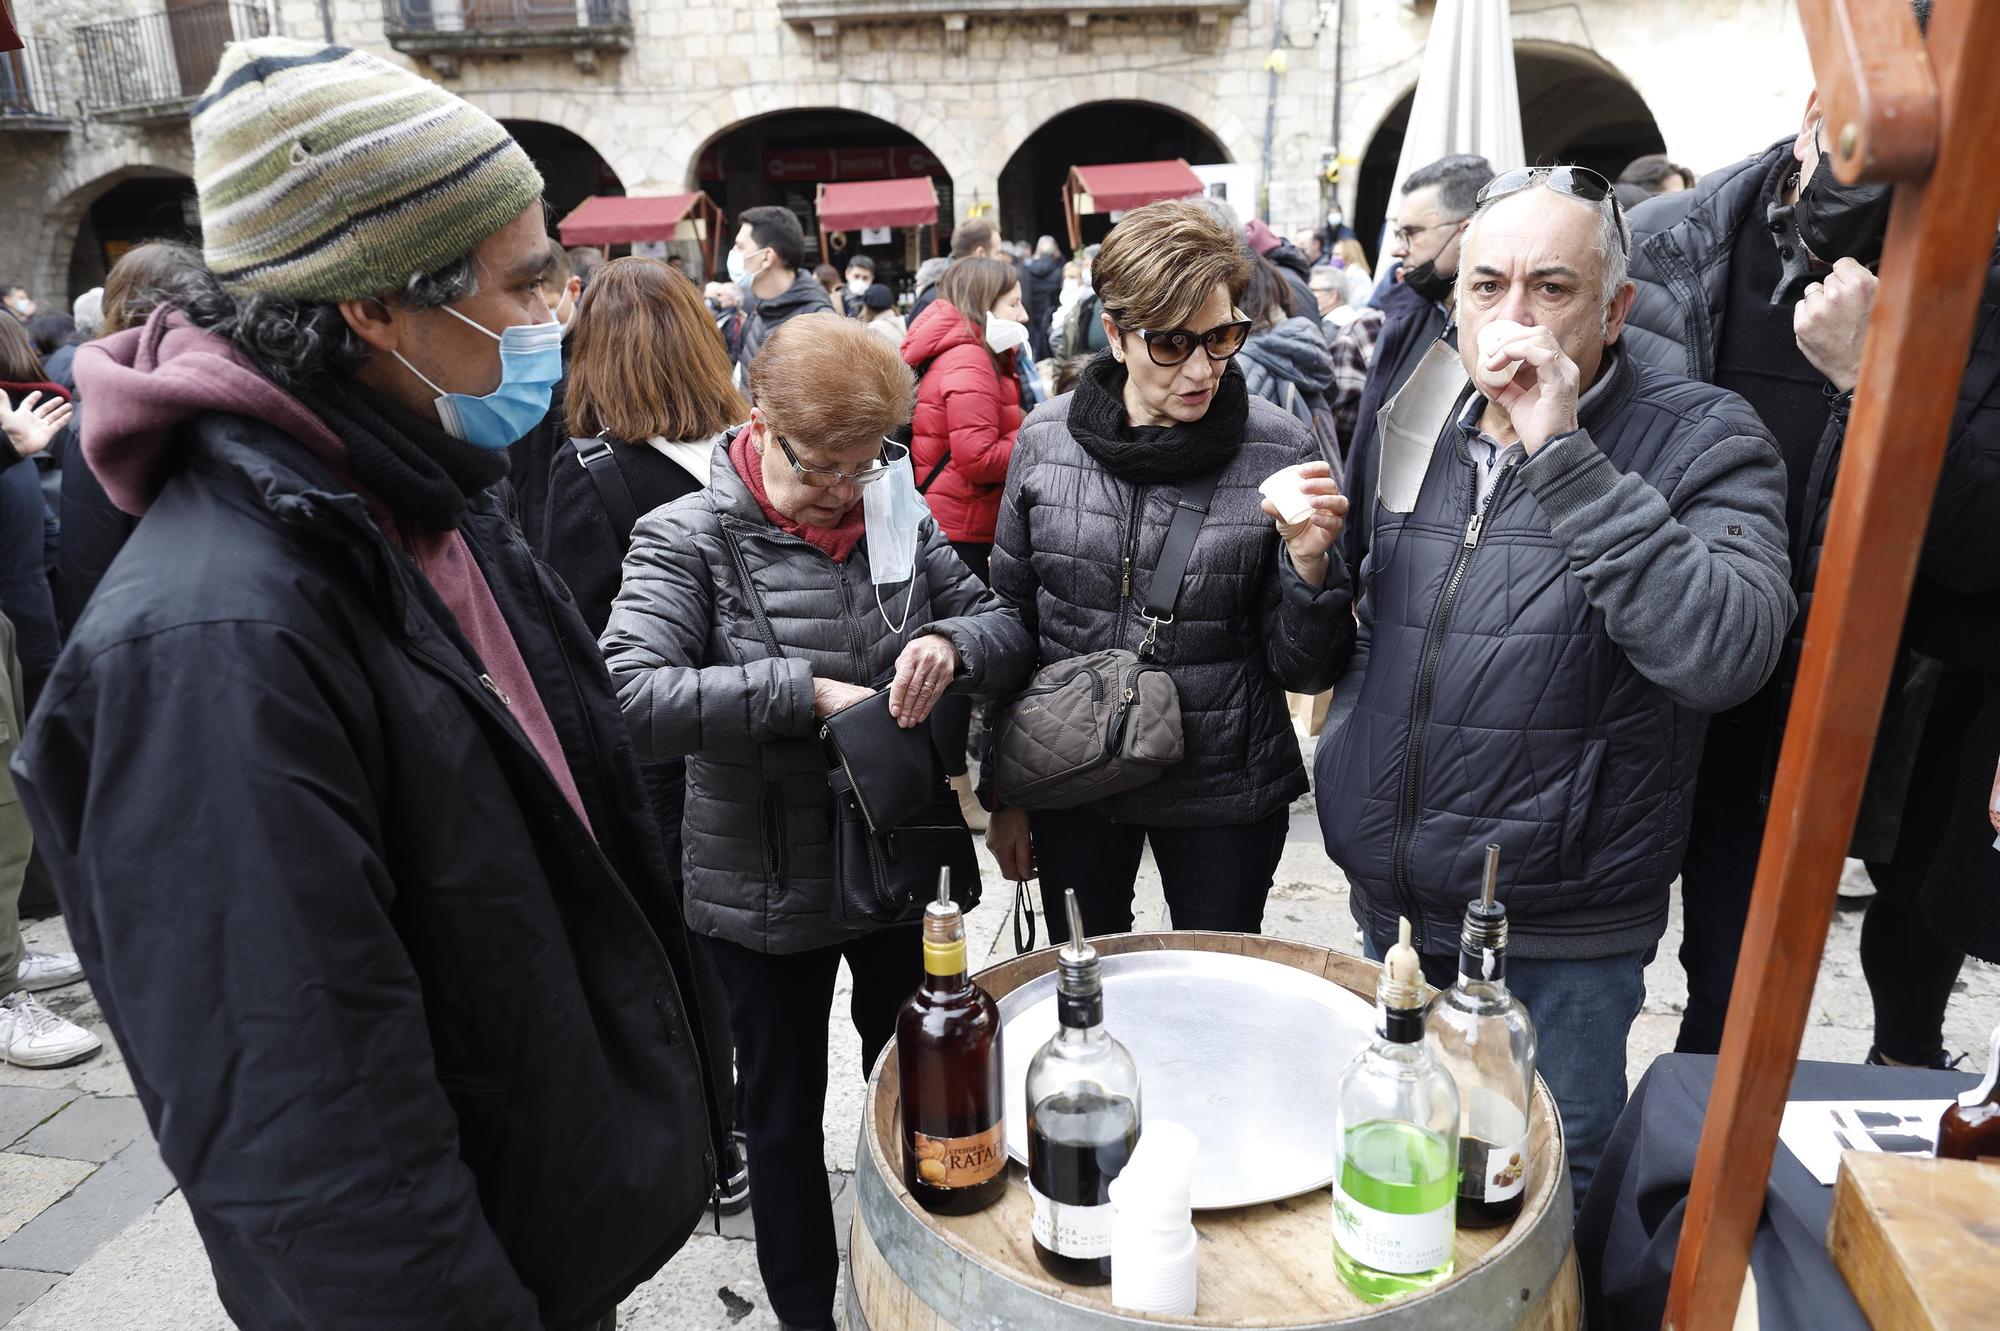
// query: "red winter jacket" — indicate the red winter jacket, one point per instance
point(966, 411)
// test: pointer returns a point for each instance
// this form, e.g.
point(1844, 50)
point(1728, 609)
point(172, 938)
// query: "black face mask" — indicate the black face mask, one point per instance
point(1428, 282)
point(1839, 221)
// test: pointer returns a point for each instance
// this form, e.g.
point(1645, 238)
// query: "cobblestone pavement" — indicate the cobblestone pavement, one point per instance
point(93, 1235)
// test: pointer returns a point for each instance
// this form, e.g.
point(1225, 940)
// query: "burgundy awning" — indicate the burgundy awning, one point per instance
point(852, 205)
point(626, 220)
point(1120, 186)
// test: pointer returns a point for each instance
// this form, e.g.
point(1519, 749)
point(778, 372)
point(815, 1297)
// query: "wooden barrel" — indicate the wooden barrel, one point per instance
point(1261, 1266)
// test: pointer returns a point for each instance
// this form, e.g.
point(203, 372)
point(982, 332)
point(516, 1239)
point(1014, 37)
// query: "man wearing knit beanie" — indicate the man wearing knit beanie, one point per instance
point(335, 792)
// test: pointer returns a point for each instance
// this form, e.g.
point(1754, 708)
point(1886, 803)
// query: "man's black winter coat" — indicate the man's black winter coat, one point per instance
point(413, 1039)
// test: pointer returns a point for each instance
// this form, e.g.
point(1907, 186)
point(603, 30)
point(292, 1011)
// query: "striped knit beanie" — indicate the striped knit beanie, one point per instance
point(327, 174)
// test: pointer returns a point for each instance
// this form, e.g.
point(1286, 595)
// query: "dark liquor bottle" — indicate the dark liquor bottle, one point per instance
point(948, 1059)
point(1481, 1035)
point(1083, 1121)
point(1970, 1129)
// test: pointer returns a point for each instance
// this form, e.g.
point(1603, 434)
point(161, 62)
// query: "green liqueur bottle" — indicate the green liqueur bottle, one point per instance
point(1396, 1183)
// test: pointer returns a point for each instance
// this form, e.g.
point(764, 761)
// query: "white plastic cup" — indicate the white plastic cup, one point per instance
point(1153, 1255)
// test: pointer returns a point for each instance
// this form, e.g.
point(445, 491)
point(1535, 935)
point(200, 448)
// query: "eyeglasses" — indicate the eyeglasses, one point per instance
point(825, 478)
point(1170, 347)
point(1578, 182)
point(1407, 235)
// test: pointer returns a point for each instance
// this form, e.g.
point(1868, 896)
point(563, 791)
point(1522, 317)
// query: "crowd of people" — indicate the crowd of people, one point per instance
point(493, 594)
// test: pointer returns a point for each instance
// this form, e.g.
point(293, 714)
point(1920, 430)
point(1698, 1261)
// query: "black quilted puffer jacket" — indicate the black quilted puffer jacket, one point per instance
point(1246, 629)
point(697, 682)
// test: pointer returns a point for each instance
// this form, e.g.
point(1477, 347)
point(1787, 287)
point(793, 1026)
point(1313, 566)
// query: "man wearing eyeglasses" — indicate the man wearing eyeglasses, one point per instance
point(1437, 200)
point(1594, 563)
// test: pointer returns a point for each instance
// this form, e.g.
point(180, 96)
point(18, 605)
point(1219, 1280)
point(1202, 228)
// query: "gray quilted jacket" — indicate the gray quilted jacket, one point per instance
point(1246, 629)
point(696, 681)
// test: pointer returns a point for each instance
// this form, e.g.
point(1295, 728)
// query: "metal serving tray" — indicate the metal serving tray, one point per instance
point(1242, 1051)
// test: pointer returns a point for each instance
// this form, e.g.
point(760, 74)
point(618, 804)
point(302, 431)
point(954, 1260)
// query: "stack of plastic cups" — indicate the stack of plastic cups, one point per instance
point(1152, 1233)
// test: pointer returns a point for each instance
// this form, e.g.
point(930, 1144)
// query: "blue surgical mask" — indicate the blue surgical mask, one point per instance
point(739, 271)
point(530, 368)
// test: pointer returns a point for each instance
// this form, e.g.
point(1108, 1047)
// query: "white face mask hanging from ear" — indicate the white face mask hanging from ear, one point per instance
point(894, 514)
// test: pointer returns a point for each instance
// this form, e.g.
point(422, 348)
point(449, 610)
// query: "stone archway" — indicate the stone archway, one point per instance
point(782, 157)
point(1031, 181)
point(677, 165)
point(1576, 107)
point(572, 169)
point(84, 178)
point(620, 141)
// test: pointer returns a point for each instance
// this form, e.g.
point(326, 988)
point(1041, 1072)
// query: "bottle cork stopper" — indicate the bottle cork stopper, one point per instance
point(1402, 985)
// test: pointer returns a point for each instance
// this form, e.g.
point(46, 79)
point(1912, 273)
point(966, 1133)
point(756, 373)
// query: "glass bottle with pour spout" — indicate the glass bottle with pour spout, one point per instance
point(1482, 1036)
point(953, 1089)
point(1396, 1126)
point(1083, 1120)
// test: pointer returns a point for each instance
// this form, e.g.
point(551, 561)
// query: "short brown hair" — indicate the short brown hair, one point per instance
point(141, 279)
point(829, 383)
point(645, 359)
point(974, 233)
point(1160, 262)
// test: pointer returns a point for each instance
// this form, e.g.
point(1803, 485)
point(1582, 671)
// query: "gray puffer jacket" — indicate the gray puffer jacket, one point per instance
point(1246, 629)
point(696, 681)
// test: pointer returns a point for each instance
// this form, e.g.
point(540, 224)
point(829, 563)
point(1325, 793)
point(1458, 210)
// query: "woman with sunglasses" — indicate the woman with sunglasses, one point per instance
point(784, 510)
point(1096, 479)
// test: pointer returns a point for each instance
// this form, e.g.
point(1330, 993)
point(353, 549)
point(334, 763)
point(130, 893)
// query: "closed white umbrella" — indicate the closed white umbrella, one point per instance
point(1466, 100)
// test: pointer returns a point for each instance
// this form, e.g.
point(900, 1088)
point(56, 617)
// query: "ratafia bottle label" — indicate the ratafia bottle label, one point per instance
point(1072, 1231)
point(961, 1162)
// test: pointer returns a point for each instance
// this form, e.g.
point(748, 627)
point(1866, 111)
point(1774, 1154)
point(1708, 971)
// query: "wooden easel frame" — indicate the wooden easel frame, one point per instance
point(1922, 115)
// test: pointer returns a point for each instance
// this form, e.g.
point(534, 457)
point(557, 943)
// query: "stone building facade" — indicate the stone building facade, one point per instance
point(658, 94)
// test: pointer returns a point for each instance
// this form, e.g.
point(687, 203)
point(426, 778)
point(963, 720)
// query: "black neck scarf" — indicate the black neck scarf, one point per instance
point(424, 475)
point(1151, 456)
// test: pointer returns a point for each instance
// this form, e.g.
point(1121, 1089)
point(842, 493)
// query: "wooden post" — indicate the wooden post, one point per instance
point(1940, 241)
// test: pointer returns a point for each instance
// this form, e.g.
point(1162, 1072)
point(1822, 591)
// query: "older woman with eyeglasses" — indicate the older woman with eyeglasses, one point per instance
point(1264, 607)
point(783, 525)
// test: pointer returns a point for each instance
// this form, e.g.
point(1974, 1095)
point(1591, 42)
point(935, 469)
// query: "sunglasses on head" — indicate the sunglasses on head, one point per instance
point(1172, 346)
point(1578, 182)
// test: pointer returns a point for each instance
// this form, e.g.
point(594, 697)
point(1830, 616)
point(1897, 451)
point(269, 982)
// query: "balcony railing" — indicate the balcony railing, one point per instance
point(443, 30)
point(153, 66)
point(27, 93)
point(824, 19)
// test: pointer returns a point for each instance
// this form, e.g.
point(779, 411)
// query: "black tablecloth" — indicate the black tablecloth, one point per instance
point(1631, 1220)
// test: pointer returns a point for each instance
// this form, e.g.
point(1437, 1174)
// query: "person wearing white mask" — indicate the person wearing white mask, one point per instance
point(967, 352)
point(860, 276)
point(749, 612)
point(767, 266)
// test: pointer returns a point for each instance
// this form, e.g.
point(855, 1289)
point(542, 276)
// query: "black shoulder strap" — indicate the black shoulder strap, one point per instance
point(1164, 592)
point(612, 492)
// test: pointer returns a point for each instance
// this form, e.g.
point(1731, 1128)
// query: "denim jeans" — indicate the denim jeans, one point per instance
point(1213, 877)
point(1583, 1012)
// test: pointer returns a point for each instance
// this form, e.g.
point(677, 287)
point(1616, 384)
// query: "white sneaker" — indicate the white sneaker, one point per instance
point(49, 970)
point(31, 1036)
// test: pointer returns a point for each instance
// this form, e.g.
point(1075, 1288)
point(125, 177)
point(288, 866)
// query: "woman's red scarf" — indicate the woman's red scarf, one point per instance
point(837, 542)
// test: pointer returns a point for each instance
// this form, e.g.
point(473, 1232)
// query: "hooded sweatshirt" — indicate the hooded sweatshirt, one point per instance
point(1292, 353)
point(147, 382)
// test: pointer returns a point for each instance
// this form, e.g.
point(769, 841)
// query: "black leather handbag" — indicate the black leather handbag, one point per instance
point(896, 821)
